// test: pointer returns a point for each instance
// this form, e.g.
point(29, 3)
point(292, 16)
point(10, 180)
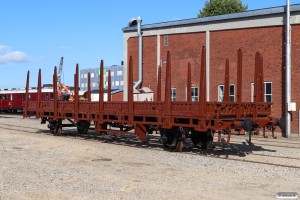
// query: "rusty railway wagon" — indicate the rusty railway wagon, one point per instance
point(175, 121)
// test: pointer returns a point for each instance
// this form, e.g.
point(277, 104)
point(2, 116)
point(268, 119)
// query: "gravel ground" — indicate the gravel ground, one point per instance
point(37, 165)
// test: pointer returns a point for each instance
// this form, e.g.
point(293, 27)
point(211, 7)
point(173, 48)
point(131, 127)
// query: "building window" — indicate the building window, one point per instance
point(93, 84)
point(117, 83)
point(92, 75)
point(82, 85)
point(221, 93)
point(195, 93)
point(121, 82)
point(86, 85)
point(112, 73)
point(267, 92)
point(85, 76)
point(173, 94)
point(81, 75)
point(119, 73)
point(166, 40)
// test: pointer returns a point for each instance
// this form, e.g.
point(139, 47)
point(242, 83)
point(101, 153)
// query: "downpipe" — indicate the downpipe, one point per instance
point(140, 61)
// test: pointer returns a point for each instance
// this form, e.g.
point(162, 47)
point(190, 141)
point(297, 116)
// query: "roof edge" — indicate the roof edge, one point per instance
point(246, 14)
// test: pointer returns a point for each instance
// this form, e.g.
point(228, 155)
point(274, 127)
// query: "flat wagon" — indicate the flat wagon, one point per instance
point(174, 121)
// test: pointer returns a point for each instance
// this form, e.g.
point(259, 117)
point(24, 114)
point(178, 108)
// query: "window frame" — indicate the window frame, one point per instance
point(221, 93)
point(195, 98)
point(119, 73)
point(166, 40)
point(173, 94)
point(265, 94)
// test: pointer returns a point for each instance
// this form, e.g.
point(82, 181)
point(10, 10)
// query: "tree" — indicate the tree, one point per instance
point(220, 7)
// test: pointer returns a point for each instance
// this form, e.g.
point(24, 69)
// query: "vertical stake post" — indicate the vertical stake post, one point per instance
point(226, 83)
point(76, 93)
point(25, 114)
point(189, 84)
point(39, 89)
point(158, 90)
point(202, 100)
point(130, 91)
point(101, 93)
point(168, 103)
point(109, 87)
point(239, 75)
point(89, 87)
point(55, 95)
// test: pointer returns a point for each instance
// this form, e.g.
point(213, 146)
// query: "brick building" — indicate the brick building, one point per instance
point(258, 30)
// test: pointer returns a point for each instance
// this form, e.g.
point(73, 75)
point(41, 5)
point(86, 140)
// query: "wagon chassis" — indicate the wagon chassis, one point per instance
point(175, 121)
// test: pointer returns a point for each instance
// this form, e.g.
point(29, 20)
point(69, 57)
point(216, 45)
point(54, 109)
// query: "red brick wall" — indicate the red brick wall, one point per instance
point(133, 52)
point(295, 54)
point(184, 48)
point(268, 41)
point(149, 60)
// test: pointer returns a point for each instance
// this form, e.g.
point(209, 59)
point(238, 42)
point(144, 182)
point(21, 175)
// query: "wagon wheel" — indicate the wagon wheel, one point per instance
point(205, 139)
point(52, 125)
point(83, 127)
point(174, 138)
point(195, 137)
point(51, 128)
point(58, 128)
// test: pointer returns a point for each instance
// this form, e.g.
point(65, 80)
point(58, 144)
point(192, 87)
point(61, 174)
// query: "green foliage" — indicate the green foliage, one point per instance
point(220, 7)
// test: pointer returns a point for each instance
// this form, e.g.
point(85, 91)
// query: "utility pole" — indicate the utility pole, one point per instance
point(288, 72)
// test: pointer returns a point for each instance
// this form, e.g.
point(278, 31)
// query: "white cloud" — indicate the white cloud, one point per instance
point(63, 47)
point(4, 49)
point(7, 55)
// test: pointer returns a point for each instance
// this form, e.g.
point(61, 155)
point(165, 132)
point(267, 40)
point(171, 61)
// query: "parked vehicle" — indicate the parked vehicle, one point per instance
point(11, 100)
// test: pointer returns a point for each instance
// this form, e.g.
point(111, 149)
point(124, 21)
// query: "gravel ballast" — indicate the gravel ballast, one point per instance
point(38, 165)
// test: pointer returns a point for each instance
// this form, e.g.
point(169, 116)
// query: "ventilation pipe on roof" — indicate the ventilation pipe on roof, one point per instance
point(137, 22)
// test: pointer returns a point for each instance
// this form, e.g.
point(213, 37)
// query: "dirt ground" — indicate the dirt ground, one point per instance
point(38, 165)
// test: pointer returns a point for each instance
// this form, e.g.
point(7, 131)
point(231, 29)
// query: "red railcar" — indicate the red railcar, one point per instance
point(11, 100)
point(175, 121)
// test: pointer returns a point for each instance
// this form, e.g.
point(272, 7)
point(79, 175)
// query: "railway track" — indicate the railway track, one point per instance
point(237, 151)
point(275, 143)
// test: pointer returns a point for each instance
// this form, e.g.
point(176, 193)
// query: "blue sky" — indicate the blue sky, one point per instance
point(36, 33)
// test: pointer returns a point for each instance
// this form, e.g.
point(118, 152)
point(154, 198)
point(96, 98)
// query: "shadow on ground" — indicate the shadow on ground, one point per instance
point(153, 142)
